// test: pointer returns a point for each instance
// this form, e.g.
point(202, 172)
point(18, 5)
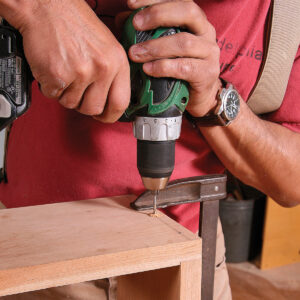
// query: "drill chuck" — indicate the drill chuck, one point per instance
point(156, 149)
point(155, 162)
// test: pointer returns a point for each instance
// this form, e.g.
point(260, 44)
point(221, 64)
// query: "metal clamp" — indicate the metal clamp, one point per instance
point(207, 190)
point(187, 190)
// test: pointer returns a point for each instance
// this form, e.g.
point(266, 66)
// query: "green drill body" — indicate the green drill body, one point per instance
point(141, 83)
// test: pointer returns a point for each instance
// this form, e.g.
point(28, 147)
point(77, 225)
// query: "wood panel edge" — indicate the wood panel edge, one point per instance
point(31, 278)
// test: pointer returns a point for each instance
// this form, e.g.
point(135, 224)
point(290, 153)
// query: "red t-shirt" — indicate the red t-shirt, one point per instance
point(56, 154)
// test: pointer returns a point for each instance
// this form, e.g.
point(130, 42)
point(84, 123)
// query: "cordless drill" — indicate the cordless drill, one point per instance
point(15, 76)
point(156, 109)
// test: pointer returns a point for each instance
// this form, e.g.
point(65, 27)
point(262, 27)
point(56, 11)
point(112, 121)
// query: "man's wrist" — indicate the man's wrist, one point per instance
point(215, 104)
point(17, 12)
point(210, 103)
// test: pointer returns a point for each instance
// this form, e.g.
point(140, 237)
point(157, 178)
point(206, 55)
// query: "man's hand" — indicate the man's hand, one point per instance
point(75, 58)
point(193, 56)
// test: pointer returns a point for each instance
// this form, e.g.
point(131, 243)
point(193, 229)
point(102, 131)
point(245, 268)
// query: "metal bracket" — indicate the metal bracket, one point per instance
point(207, 190)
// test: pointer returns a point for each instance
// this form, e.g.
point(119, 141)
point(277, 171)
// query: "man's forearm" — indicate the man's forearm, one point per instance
point(260, 153)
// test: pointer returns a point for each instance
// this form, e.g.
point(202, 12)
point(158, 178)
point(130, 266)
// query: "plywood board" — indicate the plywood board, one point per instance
point(58, 244)
point(281, 239)
point(158, 284)
point(175, 283)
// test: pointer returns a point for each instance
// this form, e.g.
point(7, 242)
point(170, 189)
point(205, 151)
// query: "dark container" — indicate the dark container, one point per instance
point(237, 218)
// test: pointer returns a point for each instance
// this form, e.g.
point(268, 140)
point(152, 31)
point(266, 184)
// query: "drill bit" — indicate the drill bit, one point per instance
point(155, 193)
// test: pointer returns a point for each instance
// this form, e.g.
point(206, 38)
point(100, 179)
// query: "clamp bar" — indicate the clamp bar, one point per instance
point(187, 190)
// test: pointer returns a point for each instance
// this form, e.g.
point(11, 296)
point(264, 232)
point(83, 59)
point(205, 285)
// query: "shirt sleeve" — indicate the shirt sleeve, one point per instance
point(288, 114)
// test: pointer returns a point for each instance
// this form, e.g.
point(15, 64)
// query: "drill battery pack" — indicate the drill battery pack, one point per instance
point(15, 76)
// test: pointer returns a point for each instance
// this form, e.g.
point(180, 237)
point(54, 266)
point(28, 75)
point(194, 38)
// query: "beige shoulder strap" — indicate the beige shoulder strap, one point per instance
point(283, 45)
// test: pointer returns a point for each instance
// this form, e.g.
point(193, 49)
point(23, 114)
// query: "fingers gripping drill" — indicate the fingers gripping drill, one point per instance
point(156, 109)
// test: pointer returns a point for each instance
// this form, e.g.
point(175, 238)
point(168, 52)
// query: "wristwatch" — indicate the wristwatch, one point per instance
point(228, 107)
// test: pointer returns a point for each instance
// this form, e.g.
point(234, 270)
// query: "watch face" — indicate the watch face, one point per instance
point(232, 105)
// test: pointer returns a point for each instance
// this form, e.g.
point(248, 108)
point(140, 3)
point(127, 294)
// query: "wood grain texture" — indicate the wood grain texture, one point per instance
point(281, 239)
point(190, 280)
point(176, 283)
point(159, 284)
point(58, 244)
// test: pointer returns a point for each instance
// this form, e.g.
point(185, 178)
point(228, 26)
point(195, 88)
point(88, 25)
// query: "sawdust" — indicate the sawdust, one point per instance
point(154, 215)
